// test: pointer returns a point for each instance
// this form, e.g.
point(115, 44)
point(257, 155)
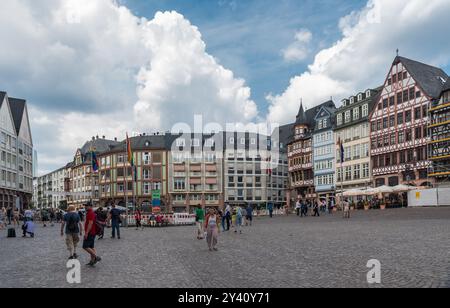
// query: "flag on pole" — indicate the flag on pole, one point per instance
point(341, 149)
point(95, 163)
point(129, 152)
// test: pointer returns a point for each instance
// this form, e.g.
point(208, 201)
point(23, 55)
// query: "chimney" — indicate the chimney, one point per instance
point(97, 137)
point(104, 137)
point(115, 138)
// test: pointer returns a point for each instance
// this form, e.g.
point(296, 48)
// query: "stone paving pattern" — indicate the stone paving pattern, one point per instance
point(412, 244)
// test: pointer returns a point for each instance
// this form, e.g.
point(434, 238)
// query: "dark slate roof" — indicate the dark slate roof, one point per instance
point(446, 86)
point(147, 142)
point(311, 113)
point(301, 117)
point(2, 97)
point(17, 110)
point(286, 133)
point(100, 145)
point(430, 78)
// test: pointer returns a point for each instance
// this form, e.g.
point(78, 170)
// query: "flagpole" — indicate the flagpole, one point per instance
point(126, 179)
point(92, 176)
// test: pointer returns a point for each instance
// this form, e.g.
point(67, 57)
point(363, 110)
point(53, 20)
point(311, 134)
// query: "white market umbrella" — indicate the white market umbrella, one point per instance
point(354, 192)
point(403, 188)
point(383, 190)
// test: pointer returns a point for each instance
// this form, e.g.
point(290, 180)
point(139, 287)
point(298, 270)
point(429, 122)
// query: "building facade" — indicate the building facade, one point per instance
point(399, 133)
point(324, 151)
point(255, 169)
point(117, 181)
point(50, 190)
point(300, 157)
point(195, 171)
point(352, 128)
point(83, 182)
point(439, 130)
point(16, 153)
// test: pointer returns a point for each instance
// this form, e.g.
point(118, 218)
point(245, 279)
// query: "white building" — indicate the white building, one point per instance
point(16, 148)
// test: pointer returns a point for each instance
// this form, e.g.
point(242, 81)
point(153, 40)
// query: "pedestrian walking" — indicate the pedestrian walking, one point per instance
point(316, 209)
point(249, 215)
point(238, 220)
point(346, 209)
point(52, 217)
point(114, 217)
point(222, 218)
point(269, 208)
point(16, 217)
point(228, 217)
point(90, 233)
point(9, 214)
point(212, 229)
point(330, 206)
point(138, 218)
point(199, 220)
point(72, 227)
point(102, 217)
point(298, 207)
point(44, 217)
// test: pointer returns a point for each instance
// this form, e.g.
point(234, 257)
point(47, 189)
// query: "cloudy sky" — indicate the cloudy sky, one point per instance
point(105, 67)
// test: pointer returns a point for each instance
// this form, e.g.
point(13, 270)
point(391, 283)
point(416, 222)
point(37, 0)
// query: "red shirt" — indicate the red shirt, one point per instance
point(90, 216)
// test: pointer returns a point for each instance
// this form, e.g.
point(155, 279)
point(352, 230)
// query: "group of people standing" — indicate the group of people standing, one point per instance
point(9, 216)
point(302, 207)
point(215, 220)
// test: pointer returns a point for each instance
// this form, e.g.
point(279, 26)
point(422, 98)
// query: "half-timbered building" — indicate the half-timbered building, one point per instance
point(439, 130)
point(399, 134)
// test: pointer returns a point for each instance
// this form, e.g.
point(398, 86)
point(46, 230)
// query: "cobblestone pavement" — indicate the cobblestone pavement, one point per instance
point(412, 245)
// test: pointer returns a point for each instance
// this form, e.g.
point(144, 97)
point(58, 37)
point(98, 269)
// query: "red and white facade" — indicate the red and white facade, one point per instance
point(398, 134)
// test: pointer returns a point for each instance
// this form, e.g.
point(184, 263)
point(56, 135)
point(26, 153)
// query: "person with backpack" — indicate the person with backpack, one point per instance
point(102, 217)
point(72, 227)
point(44, 217)
point(114, 217)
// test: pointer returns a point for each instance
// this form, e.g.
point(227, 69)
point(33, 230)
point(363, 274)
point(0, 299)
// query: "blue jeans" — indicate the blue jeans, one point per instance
point(115, 226)
point(223, 222)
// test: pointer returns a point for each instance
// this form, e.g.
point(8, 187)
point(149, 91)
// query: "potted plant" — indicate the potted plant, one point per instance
point(366, 206)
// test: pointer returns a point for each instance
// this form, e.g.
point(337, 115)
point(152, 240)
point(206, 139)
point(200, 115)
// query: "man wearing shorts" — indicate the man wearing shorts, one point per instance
point(89, 235)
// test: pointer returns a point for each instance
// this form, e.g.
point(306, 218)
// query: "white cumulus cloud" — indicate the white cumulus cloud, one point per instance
point(299, 49)
point(361, 58)
point(93, 67)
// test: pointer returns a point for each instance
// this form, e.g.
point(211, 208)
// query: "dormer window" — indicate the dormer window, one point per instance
point(181, 143)
point(368, 94)
point(360, 97)
point(325, 123)
point(347, 116)
point(352, 100)
point(339, 119)
point(320, 124)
